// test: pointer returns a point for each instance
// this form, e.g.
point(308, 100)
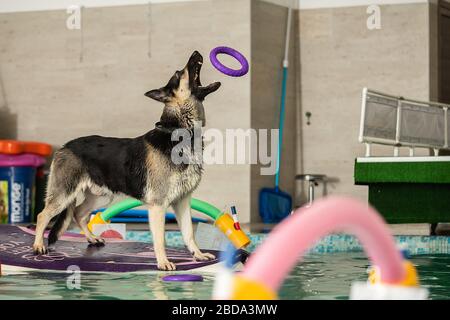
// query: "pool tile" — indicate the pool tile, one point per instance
point(417, 245)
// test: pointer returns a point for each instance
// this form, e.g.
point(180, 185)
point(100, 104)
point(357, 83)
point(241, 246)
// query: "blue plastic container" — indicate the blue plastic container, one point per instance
point(17, 180)
point(17, 183)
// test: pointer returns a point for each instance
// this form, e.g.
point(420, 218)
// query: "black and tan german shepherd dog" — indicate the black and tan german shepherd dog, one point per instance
point(97, 169)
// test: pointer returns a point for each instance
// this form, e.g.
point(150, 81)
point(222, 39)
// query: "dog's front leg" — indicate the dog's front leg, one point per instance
point(184, 218)
point(157, 218)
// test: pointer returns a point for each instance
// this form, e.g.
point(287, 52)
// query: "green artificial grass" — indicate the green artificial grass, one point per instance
point(400, 172)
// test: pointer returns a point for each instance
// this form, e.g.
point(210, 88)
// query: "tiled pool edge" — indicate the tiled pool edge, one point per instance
point(331, 244)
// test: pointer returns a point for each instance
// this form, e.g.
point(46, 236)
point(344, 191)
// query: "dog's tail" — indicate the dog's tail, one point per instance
point(60, 226)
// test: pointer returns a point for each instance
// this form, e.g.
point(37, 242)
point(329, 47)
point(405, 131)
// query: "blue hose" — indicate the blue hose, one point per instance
point(282, 116)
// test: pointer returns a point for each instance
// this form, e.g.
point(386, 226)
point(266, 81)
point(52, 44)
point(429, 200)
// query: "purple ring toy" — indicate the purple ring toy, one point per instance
point(183, 278)
point(235, 54)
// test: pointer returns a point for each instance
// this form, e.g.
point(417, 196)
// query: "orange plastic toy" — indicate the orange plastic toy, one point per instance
point(19, 147)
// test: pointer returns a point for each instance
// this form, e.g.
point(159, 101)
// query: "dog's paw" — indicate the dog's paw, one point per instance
point(200, 256)
point(97, 242)
point(39, 249)
point(166, 265)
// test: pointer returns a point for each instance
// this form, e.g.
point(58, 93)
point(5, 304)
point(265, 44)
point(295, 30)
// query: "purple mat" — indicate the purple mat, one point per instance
point(72, 249)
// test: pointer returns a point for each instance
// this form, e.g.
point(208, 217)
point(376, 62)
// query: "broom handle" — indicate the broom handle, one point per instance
point(283, 96)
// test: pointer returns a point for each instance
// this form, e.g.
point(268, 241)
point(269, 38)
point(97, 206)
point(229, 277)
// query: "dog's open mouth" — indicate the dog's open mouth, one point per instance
point(197, 72)
point(197, 68)
point(195, 64)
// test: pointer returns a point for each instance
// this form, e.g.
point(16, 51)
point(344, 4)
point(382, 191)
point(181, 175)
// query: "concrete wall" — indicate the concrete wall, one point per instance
point(63, 84)
point(268, 43)
point(339, 56)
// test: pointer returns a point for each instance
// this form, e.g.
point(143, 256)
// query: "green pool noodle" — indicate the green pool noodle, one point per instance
point(196, 204)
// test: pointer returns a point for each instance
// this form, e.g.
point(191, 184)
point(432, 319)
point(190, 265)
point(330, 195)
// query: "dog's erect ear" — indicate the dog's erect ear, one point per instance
point(160, 95)
point(204, 91)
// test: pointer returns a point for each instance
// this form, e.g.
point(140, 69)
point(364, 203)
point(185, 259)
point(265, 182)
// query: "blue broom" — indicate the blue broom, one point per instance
point(275, 204)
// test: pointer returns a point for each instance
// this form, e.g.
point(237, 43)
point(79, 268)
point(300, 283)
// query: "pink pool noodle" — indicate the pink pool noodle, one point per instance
point(289, 241)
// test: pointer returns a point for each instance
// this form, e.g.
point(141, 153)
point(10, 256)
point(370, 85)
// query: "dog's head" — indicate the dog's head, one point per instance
point(184, 91)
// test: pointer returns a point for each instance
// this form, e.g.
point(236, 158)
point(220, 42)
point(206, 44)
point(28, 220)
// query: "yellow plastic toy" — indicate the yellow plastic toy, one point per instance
point(246, 289)
point(411, 277)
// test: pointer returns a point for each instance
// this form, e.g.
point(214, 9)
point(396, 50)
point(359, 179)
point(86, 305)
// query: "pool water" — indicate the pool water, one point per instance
point(322, 276)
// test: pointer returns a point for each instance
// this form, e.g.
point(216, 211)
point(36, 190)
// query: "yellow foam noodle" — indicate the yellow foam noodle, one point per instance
point(238, 238)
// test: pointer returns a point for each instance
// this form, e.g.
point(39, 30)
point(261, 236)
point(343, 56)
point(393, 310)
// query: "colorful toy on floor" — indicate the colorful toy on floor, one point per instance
point(183, 278)
point(141, 216)
point(223, 221)
point(393, 277)
point(235, 54)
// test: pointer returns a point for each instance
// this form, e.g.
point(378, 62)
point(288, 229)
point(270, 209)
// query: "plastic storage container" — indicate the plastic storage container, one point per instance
point(25, 147)
point(17, 185)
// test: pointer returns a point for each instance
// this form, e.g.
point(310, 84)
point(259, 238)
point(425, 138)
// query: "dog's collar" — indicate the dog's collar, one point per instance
point(169, 130)
point(159, 126)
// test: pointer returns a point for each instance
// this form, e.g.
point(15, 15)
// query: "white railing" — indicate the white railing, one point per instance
point(402, 122)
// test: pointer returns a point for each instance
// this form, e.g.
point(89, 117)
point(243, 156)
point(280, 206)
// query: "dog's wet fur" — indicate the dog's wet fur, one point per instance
point(97, 169)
